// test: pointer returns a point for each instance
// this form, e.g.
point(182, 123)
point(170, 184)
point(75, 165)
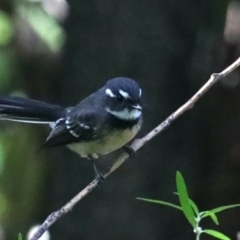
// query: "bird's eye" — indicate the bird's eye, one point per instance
point(130, 101)
point(120, 97)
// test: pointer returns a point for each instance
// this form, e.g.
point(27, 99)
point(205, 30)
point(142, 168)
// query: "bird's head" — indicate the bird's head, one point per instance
point(123, 97)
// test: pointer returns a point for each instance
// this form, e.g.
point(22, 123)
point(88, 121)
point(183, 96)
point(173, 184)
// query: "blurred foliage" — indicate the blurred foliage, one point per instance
point(20, 236)
point(25, 33)
point(6, 34)
point(20, 186)
point(6, 30)
point(45, 26)
point(6, 68)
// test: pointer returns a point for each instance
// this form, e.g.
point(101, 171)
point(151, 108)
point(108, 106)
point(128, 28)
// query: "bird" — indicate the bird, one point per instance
point(101, 123)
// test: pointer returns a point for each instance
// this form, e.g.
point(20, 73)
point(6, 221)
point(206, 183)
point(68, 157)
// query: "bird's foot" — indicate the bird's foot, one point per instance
point(100, 178)
point(129, 151)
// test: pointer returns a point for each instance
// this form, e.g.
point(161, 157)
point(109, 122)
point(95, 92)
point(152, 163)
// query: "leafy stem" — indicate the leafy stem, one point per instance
point(191, 212)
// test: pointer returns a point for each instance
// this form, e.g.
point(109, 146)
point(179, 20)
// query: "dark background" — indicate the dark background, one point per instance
point(60, 52)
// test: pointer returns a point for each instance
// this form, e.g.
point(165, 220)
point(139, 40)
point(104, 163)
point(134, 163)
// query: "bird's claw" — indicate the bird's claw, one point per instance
point(100, 178)
point(129, 151)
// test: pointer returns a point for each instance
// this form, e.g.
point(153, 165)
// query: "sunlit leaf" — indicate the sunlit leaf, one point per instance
point(216, 234)
point(184, 199)
point(45, 26)
point(6, 30)
point(20, 236)
point(161, 202)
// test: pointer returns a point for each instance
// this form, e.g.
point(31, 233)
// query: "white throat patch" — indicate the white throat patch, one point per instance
point(126, 114)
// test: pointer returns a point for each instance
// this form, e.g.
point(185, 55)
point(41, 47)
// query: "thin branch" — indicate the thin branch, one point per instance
point(138, 143)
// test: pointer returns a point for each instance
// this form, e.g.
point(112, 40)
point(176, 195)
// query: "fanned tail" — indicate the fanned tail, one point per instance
point(27, 110)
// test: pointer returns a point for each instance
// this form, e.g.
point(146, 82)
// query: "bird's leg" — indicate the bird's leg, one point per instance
point(98, 176)
point(129, 151)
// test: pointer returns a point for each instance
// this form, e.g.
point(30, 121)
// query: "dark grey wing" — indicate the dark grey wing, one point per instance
point(77, 126)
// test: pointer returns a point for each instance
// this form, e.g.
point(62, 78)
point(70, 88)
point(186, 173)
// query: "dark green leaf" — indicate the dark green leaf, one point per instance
point(219, 209)
point(216, 234)
point(184, 199)
point(160, 202)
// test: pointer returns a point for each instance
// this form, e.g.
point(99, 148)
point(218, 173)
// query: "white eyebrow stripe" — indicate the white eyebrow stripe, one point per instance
point(124, 94)
point(140, 92)
point(110, 93)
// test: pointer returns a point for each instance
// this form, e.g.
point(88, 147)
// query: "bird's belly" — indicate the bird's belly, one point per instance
point(110, 143)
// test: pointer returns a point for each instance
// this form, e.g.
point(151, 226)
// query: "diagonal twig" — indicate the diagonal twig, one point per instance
point(138, 143)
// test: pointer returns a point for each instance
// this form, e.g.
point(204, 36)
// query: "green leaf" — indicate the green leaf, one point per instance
point(216, 234)
point(219, 209)
point(184, 199)
point(214, 218)
point(193, 204)
point(19, 236)
point(161, 202)
point(194, 207)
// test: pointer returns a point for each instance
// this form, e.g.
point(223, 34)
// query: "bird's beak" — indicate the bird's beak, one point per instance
point(138, 107)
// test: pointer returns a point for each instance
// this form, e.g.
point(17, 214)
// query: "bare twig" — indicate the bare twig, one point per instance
point(138, 143)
